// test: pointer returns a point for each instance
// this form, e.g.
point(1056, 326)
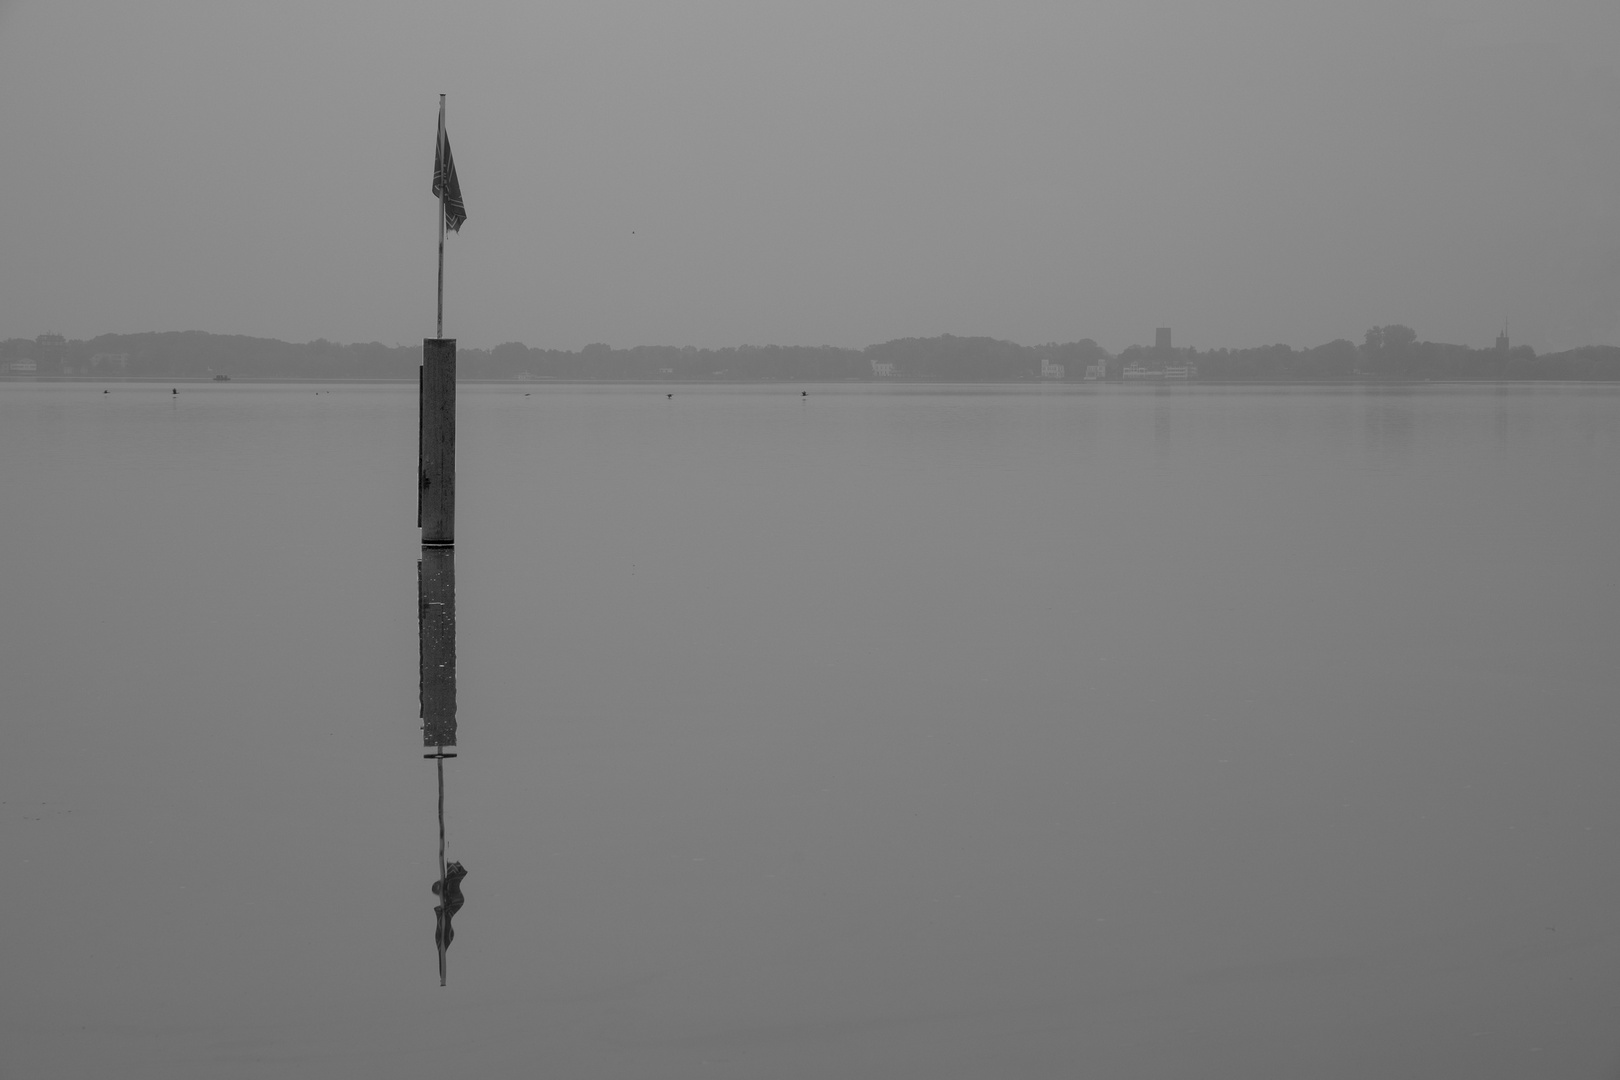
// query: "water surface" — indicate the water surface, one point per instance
point(889, 732)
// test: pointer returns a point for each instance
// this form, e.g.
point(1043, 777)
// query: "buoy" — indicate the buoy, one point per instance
point(175, 392)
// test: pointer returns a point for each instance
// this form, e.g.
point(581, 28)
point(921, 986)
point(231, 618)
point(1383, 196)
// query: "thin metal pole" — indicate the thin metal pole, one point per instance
point(444, 183)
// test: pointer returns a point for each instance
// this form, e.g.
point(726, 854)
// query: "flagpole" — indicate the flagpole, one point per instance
point(443, 187)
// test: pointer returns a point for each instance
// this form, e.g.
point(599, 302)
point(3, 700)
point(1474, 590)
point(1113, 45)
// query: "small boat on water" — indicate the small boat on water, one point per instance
point(222, 378)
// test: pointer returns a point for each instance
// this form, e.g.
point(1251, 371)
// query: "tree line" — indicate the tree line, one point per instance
point(1389, 352)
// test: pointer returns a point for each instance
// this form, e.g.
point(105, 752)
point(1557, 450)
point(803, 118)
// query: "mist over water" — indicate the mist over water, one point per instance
point(892, 731)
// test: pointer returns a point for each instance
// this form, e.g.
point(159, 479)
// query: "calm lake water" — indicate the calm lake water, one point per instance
point(888, 732)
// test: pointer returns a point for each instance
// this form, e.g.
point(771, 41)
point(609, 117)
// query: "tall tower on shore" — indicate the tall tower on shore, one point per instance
point(1161, 339)
point(1502, 338)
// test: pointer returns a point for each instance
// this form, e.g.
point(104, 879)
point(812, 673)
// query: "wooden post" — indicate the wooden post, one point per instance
point(436, 475)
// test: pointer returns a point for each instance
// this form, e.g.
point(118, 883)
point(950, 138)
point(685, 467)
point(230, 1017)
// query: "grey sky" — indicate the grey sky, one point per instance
point(831, 172)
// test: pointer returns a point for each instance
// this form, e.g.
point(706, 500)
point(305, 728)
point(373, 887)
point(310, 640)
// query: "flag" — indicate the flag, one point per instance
point(445, 183)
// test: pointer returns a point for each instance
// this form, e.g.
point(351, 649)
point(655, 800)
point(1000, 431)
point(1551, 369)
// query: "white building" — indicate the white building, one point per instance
point(1050, 370)
point(884, 371)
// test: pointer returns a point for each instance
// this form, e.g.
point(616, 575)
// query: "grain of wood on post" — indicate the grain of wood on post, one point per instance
point(436, 475)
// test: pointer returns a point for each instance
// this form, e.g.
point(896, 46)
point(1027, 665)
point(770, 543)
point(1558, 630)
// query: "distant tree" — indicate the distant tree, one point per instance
point(1587, 362)
point(951, 357)
point(1336, 358)
point(1076, 356)
point(1388, 349)
point(1398, 337)
point(509, 359)
point(595, 360)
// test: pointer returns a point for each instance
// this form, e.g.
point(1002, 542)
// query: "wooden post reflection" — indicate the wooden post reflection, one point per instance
point(436, 599)
point(436, 612)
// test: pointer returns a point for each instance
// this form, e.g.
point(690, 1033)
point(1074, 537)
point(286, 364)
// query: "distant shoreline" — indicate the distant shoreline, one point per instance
point(1145, 384)
point(1390, 354)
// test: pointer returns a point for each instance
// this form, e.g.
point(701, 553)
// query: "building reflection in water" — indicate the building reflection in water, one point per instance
point(436, 610)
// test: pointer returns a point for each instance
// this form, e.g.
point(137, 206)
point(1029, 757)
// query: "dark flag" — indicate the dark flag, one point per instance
point(446, 184)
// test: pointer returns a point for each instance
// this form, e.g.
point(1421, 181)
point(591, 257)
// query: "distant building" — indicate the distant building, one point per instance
point(1050, 370)
point(1096, 371)
point(1161, 339)
point(23, 367)
point(1138, 370)
point(1502, 341)
point(884, 370)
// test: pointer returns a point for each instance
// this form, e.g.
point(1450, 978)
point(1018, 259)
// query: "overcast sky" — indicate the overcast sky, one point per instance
point(828, 172)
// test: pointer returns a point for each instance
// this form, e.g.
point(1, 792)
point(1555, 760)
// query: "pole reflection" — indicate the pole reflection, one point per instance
point(436, 620)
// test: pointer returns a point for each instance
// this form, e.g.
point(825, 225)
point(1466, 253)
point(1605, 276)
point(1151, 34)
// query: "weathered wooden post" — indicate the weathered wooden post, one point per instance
point(436, 474)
